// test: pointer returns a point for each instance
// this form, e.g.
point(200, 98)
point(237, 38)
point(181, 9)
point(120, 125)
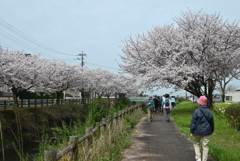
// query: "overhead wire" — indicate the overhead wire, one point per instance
point(10, 37)
point(103, 66)
point(19, 42)
point(31, 40)
point(37, 28)
point(37, 43)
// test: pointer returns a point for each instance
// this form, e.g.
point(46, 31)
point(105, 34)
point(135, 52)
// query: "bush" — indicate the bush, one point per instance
point(233, 115)
point(220, 108)
point(122, 103)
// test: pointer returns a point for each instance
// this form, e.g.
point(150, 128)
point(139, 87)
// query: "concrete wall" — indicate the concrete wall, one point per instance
point(235, 96)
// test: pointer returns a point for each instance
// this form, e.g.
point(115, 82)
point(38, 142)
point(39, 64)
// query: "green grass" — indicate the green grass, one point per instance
point(225, 141)
point(107, 147)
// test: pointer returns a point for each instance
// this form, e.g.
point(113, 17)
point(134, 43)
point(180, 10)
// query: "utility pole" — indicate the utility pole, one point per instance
point(82, 58)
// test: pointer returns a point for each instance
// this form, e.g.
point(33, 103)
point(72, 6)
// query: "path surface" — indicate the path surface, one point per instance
point(159, 141)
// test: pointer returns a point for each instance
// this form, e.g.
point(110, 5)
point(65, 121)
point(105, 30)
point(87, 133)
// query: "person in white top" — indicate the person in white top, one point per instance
point(167, 107)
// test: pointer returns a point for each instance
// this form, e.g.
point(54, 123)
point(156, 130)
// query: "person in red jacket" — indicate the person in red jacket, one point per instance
point(202, 126)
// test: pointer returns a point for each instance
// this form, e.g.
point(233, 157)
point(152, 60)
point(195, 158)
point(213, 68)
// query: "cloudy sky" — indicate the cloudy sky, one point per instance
point(63, 29)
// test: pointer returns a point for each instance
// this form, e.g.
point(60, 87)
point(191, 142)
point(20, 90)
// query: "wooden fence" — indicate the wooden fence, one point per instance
point(72, 148)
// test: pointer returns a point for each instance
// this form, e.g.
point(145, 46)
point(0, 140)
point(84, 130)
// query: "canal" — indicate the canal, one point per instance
point(11, 154)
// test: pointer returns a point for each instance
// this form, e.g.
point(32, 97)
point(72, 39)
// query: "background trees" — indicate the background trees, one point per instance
point(194, 54)
point(20, 71)
point(58, 77)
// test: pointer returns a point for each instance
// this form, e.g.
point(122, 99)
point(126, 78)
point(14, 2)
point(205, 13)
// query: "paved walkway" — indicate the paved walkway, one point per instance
point(159, 141)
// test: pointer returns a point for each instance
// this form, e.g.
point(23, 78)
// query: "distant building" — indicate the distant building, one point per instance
point(232, 96)
point(71, 94)
point(6, 92)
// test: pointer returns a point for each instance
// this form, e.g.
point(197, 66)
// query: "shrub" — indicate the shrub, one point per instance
point(220, 108)
point(122, 103)
point(233, 115)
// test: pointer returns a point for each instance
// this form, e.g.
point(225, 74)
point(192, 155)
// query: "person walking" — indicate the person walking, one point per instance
point(155, 103)
point(150, 108)
point(160, 102)
point(173, 101)
point(167, 107)
point(201, 127)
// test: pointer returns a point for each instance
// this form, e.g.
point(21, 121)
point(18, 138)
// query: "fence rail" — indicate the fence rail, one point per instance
point(72, 148)
point(36, 102)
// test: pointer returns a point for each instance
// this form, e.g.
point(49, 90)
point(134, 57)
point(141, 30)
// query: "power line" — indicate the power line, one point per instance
point(26, 37)
point(19, 42)
point(103, 66)
point(36, 28)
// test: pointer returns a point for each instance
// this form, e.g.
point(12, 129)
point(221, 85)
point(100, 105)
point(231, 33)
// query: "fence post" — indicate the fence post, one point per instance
point(50, 155)
point(41, 102)
point(74, 152)
point(97, 126)
point(88, 141)
point(131, 109)
point(115, 119)
point(35, 102)
point(123, 113)
point(52, 102)
point(110, 120)
point(21, 103)
point(105, 124)
point(47, 102)
point(5, 104)
point(28, 102)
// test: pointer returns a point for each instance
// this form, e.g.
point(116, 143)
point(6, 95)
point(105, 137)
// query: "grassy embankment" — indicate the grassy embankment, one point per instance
point(106, 147)
point(224, 143)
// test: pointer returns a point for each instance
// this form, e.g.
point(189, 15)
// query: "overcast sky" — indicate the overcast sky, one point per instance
point(63, 29)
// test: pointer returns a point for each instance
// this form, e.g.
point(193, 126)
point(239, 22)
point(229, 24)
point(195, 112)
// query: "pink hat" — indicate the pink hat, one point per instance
point(202, 101)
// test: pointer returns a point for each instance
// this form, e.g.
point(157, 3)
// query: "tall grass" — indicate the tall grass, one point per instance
point(112, 141)
point(224, 143)
point(106, 147)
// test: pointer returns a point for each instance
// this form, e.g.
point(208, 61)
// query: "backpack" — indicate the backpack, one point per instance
point(166, 102)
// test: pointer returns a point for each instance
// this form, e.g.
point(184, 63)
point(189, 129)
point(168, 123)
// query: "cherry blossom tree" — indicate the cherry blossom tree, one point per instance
point(84, 82)
point(126, 86)
point(187, 54)
point(102, 80)
point(19, 71)
point(58, 77)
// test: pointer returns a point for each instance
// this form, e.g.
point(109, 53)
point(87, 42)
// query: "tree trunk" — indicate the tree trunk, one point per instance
point(59, 94)
point(108, 98)
point(195, 89)
point(223, 96)
point(82, 96)
point(15, 96)
point(122, 95)
point(209, 95)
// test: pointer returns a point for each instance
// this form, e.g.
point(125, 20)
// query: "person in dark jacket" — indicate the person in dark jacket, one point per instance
point(202, 126)
point(155, 99)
